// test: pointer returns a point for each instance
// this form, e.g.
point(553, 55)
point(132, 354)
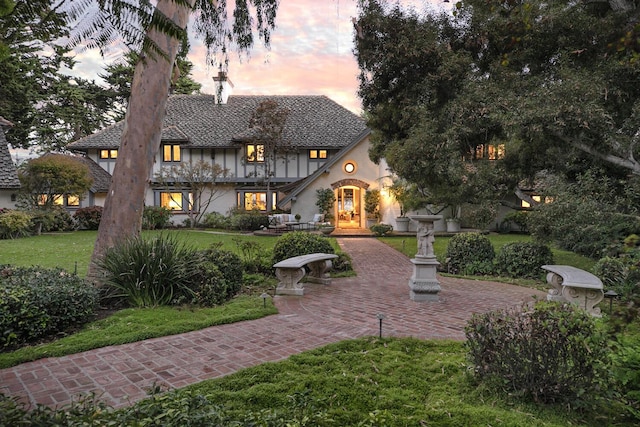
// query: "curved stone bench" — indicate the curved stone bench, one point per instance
point(290, 271)
point(571, 284)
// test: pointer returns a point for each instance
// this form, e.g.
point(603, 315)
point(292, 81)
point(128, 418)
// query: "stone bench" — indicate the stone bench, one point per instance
point(571, 284)
point(290, 271)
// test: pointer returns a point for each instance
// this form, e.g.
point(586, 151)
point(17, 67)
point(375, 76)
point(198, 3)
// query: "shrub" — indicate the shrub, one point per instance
point(36, 302)
point(381, 229)
point(148, 272)
point(14, 224)
point(255, 258)
point(470, 253)
point(626, 373)
point(155, 217)
point(523, 259)
point(342, 263)
point(230, 266)
point(249, 220)
point(89, 218)
point(208, 284)
point(55, 219)
point(216, 220)
point(620, 275)
point(551, 353)
point(300, 243)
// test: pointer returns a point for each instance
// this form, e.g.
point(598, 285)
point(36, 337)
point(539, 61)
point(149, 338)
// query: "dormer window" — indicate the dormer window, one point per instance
point(317, 154)
point(108, 154)
point(171, 153)
point(255, 153)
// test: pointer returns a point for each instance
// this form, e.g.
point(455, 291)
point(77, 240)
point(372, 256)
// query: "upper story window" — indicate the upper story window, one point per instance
point(108, 154)
point(317, 154)
point(489, 152)
point(171, 153)
point(255, 153)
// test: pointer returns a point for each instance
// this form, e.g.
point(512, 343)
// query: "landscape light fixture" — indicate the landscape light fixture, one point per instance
point(380, 316)
point(264, 297)
point(610, 295)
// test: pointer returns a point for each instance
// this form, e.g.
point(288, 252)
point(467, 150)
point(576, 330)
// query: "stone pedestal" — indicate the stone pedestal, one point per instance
point(424, 285)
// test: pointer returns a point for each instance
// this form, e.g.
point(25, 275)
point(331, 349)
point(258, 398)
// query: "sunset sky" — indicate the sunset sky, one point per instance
point(311, 54)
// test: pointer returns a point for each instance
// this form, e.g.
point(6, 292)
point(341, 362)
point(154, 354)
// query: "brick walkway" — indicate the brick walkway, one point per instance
point(346, 309)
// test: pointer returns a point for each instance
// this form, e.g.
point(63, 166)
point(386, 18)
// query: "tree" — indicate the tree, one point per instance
point(119, 76)
point(163, 29)
point(200, 178)
point(266, 130)
point(45, 180)
point(545, 80)
point(27, 29)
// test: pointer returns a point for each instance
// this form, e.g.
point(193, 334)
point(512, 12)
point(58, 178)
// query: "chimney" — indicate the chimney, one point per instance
point(224, 87)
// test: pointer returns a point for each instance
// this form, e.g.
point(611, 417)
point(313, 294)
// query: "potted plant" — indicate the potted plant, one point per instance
point(297, 216)
point(381, 229)
point(453, 222)
point(326, 228)
point(372, 206)
point(325, 202)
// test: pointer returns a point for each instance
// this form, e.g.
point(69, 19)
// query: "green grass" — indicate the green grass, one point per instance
point(406, 382)
point(72, 251)
point(136, 324)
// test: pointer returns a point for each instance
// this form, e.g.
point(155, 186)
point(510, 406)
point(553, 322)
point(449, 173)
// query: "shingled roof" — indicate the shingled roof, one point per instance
point(8, 172)
point(313, 122)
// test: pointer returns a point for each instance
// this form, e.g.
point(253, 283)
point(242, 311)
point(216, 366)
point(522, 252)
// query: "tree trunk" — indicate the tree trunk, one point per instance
point(122, 214)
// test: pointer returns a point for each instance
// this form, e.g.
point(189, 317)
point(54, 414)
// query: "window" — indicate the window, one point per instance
point(255, 153)
point(59, 200)
point(175, 201)
point(170, 153)
point(317, 154)
point(490, 151)
point(108, 154)
point(249, 200)
point(349, 167)
point(537, 199)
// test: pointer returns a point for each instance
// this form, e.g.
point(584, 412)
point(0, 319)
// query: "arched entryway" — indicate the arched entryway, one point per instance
point(349, 206)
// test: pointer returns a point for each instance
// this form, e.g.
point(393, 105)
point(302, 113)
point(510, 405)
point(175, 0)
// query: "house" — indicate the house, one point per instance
point(328, 149)
point(9, 182)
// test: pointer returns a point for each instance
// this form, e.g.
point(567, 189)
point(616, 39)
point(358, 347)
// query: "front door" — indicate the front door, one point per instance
point(348, 207)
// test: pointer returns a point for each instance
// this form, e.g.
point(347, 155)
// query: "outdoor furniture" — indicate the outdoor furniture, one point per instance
point(576, 286)
point(290, 271)
point(316, 221)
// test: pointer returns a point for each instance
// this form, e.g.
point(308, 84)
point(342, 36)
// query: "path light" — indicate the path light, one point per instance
point(380, 316)
point(610, 295)
point(264, 297)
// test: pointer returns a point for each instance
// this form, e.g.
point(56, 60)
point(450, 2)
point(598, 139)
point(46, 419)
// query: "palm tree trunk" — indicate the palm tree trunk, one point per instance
point(122, 214)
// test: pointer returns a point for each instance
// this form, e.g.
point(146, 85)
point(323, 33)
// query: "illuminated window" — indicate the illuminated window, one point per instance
point(170, 153)
point(536, 199)
point(255, 201)
point(255, 153)
point(175, 201)
point(108, 154)
point(317, 154)
point(489, 151)
point(73, 201)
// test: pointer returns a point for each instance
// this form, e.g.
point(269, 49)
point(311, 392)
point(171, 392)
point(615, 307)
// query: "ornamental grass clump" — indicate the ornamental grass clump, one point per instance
point(148, 272)
point(550, 353)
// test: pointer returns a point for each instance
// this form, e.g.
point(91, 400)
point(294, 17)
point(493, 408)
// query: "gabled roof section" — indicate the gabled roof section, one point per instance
point(335, 159)
point(8, 171)
point(315, 121)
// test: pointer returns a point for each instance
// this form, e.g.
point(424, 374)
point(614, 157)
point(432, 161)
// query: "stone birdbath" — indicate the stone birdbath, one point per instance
point(424, 284)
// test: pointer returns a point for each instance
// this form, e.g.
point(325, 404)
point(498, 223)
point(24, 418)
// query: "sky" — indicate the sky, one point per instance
point(311, 54)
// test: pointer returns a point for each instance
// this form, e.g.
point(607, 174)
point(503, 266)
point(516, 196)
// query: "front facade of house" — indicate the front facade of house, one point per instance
point(328, 148)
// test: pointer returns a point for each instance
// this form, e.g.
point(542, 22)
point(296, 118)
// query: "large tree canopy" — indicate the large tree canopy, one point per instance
point(554, 82)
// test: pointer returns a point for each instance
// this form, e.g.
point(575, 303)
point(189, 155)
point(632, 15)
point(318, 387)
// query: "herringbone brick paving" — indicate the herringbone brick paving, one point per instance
point(348, 308)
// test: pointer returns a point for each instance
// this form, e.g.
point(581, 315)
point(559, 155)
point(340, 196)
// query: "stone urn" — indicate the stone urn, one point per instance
point(327, 229)
point(402, 224)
